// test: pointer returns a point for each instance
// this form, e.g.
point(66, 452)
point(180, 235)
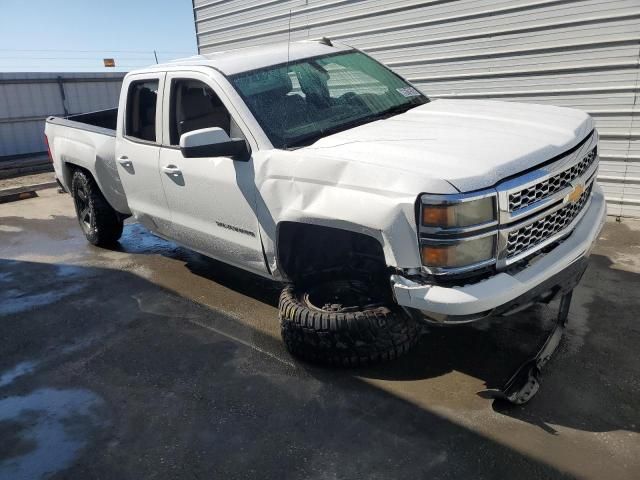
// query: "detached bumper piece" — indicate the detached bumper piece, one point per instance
point(525, 382)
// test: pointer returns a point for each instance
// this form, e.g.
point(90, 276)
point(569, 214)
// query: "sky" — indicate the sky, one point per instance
point(76, 35)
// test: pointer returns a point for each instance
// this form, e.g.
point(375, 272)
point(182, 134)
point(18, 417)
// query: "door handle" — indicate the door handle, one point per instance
point(171, 170)
point(125, 162)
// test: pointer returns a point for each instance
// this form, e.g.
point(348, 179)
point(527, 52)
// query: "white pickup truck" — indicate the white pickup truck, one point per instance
point(313, 164)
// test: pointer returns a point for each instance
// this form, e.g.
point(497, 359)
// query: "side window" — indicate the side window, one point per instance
point(194, 106)
point(142, 100)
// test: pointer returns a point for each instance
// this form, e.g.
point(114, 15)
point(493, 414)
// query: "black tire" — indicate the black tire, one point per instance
point(371, 331)
point(100, 223)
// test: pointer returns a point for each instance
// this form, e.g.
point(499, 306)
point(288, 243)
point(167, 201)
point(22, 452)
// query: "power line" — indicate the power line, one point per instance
point(72, 58)
point(88, 60)
point(68, 69)
point(94, 51)
point(79, 64)
point(97, 65)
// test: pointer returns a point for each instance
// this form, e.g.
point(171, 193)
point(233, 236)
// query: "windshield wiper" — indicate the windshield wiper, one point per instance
point(397, 110)
point(389, 112)
point(315, 136)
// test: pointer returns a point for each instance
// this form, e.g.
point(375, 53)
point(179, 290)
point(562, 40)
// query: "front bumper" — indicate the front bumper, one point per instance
point(503, 292)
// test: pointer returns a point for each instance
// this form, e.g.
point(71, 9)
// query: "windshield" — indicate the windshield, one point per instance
point(298, 103)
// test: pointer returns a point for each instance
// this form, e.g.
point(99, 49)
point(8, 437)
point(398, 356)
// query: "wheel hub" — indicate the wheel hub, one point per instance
point(341, 296)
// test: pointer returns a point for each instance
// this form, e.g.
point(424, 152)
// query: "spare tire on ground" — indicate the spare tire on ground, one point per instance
point(345, 322)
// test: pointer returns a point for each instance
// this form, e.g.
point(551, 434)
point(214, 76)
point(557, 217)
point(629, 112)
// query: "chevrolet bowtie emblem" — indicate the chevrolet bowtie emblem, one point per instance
point(575, 194)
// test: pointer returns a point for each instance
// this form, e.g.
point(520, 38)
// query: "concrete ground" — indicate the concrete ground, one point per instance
point(150, 361)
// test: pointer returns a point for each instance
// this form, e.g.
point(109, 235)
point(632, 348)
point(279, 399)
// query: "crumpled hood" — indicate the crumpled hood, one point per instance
point(472, 144)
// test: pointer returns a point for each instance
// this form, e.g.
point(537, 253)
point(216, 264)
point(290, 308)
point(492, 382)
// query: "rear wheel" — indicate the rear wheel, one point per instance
point(100, 223)
point(345, 322)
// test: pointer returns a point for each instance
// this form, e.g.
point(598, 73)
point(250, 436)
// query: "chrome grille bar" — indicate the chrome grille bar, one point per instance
point(530, 195)
point(579, 164)
point(522, 240)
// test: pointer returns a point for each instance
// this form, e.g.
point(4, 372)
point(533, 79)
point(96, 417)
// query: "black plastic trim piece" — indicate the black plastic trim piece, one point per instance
point(235, 148)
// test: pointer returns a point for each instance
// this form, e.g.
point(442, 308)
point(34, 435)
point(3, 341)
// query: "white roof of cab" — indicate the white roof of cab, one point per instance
point(238, 60)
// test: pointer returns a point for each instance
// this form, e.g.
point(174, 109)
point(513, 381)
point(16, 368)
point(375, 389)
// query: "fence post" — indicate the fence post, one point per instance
point(62, 94)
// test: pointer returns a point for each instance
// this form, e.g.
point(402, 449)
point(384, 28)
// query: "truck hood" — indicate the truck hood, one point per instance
point(472, 144)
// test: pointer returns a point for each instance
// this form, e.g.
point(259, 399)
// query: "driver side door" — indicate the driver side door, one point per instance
point(211, 199)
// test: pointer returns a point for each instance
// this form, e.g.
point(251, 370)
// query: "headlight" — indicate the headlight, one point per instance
point(458, 212)
point(458, 253)
point(456, 231)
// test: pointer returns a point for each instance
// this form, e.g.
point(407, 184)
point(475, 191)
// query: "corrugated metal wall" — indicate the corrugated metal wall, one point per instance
point(27, 99)
point(582, 54)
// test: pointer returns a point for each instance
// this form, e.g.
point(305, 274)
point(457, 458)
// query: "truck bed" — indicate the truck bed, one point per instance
point(88, 141)
point(101, 121)
point(102, 118)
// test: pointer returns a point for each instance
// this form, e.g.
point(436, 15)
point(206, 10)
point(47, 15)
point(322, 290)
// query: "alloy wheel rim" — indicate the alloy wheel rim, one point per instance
point(83, 207)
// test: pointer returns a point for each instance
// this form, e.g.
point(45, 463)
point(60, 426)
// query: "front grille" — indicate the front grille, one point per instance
point(551, 185)
point(530, 236)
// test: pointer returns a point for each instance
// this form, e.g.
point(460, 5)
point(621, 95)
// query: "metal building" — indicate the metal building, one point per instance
point(27, 99)
point(576, 53)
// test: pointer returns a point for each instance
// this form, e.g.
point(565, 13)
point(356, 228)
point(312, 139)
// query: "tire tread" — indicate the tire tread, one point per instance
point(347, 339)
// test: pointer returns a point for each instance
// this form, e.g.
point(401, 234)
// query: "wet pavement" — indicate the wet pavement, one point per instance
point(151, 361)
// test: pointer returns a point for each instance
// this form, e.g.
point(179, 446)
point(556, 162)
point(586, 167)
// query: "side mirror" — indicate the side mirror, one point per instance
point(213, 142)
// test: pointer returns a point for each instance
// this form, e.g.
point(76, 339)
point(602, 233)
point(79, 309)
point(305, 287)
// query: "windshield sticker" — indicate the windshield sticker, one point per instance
point(408, 92)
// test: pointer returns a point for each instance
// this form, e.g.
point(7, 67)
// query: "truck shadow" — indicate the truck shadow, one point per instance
point(125, 379)
point(590, 384)
point(576, 384)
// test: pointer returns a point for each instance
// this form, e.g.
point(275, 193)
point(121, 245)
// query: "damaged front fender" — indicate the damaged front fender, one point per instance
point(305, 187)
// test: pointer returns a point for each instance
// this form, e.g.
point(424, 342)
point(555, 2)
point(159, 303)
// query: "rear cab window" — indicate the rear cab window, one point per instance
point(142, 105)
